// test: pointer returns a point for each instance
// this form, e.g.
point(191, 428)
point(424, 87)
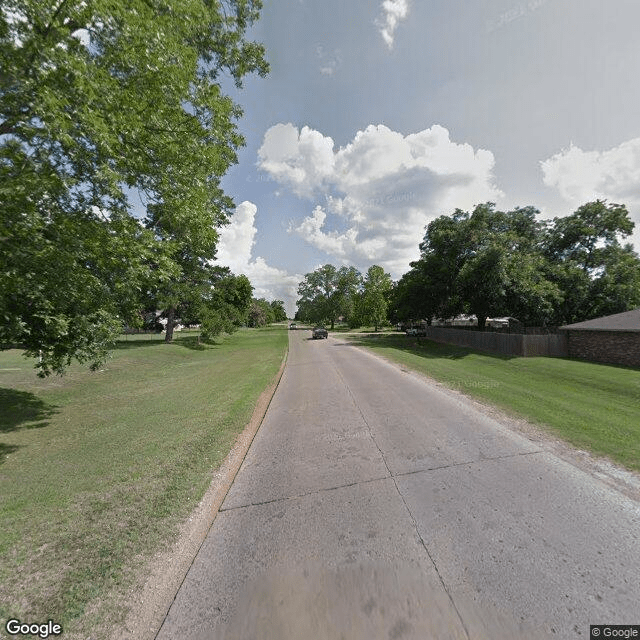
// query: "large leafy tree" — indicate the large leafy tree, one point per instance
point(374, 301)
point(328, 293)
point(260, 313)
point(348, 285)
point(487, 262)
point(490, 262)
point(423, 292)
point(100, 100)
point(597, 273)
point(221, 305)
point(279, 312)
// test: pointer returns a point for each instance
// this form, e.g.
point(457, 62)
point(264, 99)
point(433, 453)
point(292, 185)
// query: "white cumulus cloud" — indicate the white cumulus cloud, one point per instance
point(612, 175)
point(375, 195)
point(299, 159)
point(393, 11)
point(580, 175)
point(235, 250)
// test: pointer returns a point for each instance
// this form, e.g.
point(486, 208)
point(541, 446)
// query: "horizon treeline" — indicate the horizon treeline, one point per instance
point(492, 263)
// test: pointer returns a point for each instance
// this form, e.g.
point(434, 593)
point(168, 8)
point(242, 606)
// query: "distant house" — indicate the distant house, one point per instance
point(506, 323)
point(458, 321)
point(471, 321)
point(612, 339)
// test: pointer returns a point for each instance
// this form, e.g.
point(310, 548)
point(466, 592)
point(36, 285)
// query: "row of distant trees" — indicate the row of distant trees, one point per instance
point(262, 313)
point(328, 294)
point(222, 303)
point(493, 263)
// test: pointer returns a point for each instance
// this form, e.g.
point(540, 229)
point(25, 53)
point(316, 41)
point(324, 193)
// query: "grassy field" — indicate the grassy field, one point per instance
point(97, 470)
point(593, 406)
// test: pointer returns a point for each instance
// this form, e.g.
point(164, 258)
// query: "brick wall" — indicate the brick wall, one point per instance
point(613, 347)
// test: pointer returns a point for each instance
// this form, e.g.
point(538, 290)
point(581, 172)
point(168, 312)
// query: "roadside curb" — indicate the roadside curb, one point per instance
point(169, 569)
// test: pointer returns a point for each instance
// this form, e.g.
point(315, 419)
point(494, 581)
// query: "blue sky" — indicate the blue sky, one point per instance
point(379, 116)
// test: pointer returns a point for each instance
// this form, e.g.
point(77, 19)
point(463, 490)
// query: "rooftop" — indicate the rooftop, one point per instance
point(626, 321)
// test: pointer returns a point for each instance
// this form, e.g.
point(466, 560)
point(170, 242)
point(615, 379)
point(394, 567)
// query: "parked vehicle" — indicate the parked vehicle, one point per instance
point(293, 325)
point(319, 332)
point(417, 330)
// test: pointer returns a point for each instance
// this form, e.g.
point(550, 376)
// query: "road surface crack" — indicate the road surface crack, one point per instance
point(390, 476)
point(303, 495)
point(406, 506)
point(451, 465)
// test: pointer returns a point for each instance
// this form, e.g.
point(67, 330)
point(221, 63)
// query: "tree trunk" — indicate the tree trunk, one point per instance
point(482, 321)
point(332, 323)
point(171, 321)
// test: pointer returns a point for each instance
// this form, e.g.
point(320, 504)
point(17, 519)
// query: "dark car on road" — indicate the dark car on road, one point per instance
point(319, 332)
point(293, 325)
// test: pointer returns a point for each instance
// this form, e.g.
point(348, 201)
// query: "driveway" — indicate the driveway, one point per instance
point(375, 504)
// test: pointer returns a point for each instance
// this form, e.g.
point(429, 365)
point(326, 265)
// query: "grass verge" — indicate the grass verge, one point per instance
point(343, 328)
point(593, 406)
point(97, 470)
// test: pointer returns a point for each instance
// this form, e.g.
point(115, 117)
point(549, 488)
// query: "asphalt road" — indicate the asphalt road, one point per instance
point(373, 504)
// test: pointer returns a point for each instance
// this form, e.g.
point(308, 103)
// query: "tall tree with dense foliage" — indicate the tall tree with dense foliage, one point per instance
point(488, 263)
point(597, 273)
point(100, 100)
point(225, 305)
point(374, 301)
point(261, 313)
point(279, 312)
point(348, 285)
point(327, 293)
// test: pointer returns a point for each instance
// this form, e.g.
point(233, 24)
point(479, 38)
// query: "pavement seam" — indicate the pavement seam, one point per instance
point(305, 495)
point(467, 462)
point(392, 476)
point(406, 506)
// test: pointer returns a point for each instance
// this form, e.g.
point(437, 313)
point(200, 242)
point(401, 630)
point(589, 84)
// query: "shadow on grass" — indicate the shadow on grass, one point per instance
point(23, 410)
point(419, 346)
point(190, 342)
point(135, 344)
point(6, 449)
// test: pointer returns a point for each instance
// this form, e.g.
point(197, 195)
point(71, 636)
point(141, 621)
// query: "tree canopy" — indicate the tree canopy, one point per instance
point(224, 303)
point(596, 272)
point(495, 263)
point(327, 294)
point(374, 300)
point(279, 312)
point(102, 103)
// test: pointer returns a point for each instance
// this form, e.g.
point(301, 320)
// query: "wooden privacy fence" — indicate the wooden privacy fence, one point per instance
point(509, 344)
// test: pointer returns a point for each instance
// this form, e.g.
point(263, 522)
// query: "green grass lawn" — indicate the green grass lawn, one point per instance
point(98, 469)
point(343, 328)
point(593, 406)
